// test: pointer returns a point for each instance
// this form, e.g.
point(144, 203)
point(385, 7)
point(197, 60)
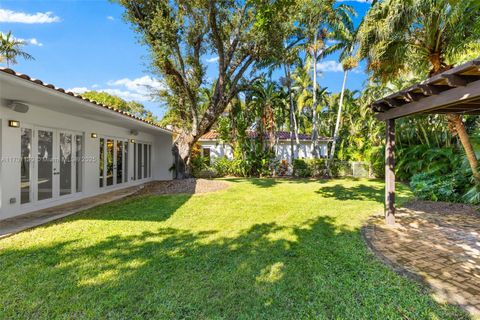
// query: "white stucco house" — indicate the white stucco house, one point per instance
point(56, 147)
point(212, 147)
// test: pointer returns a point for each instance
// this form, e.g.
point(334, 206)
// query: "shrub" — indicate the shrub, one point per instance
point(428, 186)
point(441, 187)
point(376, 158)
point(301, 168)
point(199, 164)
point(282, 168)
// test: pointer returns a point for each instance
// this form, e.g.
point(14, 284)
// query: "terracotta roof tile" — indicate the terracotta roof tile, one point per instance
point(51, 86)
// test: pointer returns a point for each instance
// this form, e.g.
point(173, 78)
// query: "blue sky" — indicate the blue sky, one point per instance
point(86, 45)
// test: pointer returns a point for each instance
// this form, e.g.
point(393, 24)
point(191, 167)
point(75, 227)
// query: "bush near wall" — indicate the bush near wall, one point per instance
point(317, 168)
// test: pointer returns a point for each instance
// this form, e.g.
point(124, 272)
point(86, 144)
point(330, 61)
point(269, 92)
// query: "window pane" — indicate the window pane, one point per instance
point(79, 163)
point(125, 159)
point(26, 154)
point(140, 162)
point(109, 161)
point(45, 164)
point(149, 161)
point(65, 164)
point(119, 162)
point(101, 160)
point(134, 161)
point(145, 161)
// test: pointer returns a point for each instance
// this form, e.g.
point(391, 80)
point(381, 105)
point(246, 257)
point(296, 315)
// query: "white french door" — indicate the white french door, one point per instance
point(51, 165)
point(142, 161)
point(113, 165)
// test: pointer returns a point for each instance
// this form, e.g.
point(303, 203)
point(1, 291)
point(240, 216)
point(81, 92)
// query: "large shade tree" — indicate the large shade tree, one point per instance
point(427, 35)
point(182, 34)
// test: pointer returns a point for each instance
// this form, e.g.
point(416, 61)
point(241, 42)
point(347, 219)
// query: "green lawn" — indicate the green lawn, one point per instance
point(262, 249)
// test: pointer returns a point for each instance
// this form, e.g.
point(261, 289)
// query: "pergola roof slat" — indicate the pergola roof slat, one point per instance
point(454, 87)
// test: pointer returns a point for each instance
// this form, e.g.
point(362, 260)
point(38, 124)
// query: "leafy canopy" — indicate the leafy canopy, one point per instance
point(133, 107)
point(424, 35)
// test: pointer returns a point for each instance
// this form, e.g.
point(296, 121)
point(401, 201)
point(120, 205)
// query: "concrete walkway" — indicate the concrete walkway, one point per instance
point(436, 243)
point(14, 225)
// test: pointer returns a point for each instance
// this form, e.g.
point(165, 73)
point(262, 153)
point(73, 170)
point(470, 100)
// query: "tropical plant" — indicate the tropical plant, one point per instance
point(11, 48)
point(319, 20)
point(422, 35)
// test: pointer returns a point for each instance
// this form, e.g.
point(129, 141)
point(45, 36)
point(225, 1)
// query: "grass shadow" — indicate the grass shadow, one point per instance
point(357, 192)
point(321, 270)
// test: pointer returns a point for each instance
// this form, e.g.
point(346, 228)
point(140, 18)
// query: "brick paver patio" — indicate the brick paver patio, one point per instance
point(437, 243)
point(17, 224)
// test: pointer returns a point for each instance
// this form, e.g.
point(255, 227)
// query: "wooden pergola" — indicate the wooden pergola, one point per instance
point(454, 91)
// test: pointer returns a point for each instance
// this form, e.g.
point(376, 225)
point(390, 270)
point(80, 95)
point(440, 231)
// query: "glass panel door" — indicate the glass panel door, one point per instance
point(65, 163)
point(119, 164)
point(139, 161)
point(110, 165)
point(45, 164)
point(26, 166)
point(78, 163)
point(145, 161)
point(102, 162)
point(126, 162)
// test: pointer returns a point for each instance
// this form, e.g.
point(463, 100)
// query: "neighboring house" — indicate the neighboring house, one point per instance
point(212, 147)
point(57, 147)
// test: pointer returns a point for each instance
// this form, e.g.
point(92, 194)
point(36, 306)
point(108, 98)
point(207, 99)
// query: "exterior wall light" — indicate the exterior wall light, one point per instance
point(94, 135)
point(14, 123)
point(132, 140)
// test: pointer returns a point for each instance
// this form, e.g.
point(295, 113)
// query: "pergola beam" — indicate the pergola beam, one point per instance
point(458, 95)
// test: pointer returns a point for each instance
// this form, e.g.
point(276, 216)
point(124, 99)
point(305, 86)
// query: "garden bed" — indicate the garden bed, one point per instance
point(189, 186)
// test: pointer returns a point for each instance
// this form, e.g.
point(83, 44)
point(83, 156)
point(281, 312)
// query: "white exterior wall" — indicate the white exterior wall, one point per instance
point(217, 149)
point(304, 150)
point(39, 116)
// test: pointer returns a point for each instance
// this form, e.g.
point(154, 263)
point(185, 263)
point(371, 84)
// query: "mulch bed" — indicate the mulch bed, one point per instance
point(189, 186)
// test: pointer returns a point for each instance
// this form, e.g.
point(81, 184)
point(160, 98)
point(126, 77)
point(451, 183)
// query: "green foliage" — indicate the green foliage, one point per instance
point(135, 108)
point(199, 164)
point(11, 48)
point(432, 186)
point(301, 168)
point(422, 158)
point(421, 35)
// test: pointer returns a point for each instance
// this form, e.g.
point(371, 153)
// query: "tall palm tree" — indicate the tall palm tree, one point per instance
point(319, 19)
point(265, 97)
point(346, 40)
point(421, 35)
point(11, 48)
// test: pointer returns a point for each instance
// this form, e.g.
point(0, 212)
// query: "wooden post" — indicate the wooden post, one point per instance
point(390, 172)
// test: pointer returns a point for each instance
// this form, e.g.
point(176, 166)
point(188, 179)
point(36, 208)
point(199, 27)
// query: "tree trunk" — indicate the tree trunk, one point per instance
point(293, 121)
point(314, 111)
point(339, 117)
point(181, 150)
point(456, 123)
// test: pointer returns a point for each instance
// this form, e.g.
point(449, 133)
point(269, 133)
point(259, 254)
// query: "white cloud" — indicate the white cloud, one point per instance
point(110, 18)
point(212, 59)
point(145, 85)
point(35, 42)
point(139, 89)
point(22, 17)
point(127, 95)
point(78, 90)
point(329, 66)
